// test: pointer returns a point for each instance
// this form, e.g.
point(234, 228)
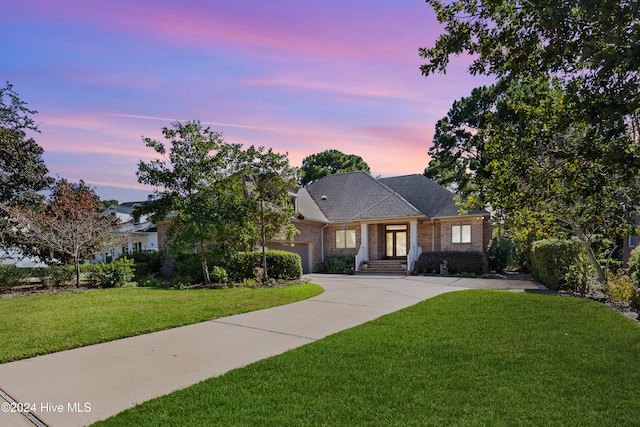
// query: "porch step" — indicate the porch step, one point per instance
point(384, 266)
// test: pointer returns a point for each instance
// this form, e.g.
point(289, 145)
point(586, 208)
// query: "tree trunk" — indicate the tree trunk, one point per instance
point(265, 276)
point(205, 267)
point(586, 243)
point(76, 264)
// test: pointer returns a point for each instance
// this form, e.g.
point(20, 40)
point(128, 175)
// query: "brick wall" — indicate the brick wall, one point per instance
point(330, 240)
point(478, 234)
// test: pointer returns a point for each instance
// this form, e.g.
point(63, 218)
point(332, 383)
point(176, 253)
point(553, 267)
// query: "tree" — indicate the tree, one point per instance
point(201, 181)
point(592, 47)
point(270, 178)
point(329, 162)
point(23, 173)
point(521, 151)
point(457, 154)
point(69, 227)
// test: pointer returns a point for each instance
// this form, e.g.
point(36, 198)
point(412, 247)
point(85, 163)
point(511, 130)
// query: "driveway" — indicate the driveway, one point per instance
point(80, 386)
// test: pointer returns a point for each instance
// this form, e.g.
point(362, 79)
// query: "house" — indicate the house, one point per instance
point(393, 219)
point(138, 233)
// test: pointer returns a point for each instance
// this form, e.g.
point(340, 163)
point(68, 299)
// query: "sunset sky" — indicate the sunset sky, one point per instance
point(299, 76)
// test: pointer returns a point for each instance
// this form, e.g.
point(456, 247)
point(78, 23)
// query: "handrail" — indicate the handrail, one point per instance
point(360, 256)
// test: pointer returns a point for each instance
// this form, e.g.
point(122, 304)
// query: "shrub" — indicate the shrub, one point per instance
point(281, 265)
point(552, 259)
point(580, 274)
point(621, 288)
point(218, 275)
point(634, 266)
point(458, 262)
point(114, 274)
point(147, 263)
point(338, 264)
point(55, 275)
point(11, 276)
point(501, 253)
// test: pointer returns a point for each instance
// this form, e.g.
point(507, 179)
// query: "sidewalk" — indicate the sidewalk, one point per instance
point(78, 387)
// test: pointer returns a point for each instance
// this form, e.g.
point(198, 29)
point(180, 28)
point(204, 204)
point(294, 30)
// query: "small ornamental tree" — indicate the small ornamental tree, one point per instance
point(269, 179)
point(69, 227)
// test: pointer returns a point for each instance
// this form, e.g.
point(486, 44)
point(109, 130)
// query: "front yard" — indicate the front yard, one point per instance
point(469, 358)
point(41, 324)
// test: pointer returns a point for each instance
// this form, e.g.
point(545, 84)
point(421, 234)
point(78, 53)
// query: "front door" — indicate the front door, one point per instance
point(396, 241)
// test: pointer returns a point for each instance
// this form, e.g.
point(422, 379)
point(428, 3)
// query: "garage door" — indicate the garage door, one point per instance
point(302, 249)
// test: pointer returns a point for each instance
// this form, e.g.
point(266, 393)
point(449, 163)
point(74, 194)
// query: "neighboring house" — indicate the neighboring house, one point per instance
point(16, 258)
point(138, 233)
point(381, 219)
point(629, 243)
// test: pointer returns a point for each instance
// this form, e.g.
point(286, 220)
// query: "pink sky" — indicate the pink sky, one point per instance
point(297, 76)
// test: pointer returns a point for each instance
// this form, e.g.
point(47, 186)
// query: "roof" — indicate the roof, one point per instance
point(432, 199)
point(356, 196)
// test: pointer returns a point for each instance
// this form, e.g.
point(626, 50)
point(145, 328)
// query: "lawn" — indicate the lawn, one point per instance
point(472, 358)
point(34, 325)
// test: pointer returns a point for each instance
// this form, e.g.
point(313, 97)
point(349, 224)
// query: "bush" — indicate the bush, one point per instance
point(55, 275)
point(218, 275)
point(11, 276)
point(281, 265)
point(458, 262)
point(147, 263)
point(580, 274)
point(338, 264)
point(114, 274)
point(551, 260)
point(621, 288)
point(501, 253)
point(634, 266)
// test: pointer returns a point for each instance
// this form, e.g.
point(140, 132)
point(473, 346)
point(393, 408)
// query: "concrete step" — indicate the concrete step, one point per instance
point(384, 267)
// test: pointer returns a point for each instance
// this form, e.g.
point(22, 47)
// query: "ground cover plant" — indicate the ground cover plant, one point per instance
point(41, 324)
point(464, 358)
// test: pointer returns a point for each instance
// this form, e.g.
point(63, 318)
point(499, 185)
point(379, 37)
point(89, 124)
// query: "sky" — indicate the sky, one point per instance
point(298, 76)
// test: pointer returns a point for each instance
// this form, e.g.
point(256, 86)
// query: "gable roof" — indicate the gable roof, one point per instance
point(356, 196)
point(432, 199)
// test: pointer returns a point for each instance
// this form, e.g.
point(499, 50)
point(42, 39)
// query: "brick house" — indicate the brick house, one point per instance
point(393, 219)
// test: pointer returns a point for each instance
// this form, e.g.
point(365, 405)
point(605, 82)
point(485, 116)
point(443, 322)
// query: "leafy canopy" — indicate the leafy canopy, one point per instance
point(70, 226)
point(217, 195)
point(329, 162)
point(23, 172)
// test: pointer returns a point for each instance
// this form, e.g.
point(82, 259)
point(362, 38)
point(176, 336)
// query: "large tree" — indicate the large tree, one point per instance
point(23, 173)
point(220, 197)
point(70, 226)
point(593, 46)
point(329, 162)
point(541, 167)
point(200, 184)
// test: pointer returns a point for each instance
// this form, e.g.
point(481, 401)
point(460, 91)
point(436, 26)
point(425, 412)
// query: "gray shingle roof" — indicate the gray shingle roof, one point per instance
point(432, 199)
point(358, 196)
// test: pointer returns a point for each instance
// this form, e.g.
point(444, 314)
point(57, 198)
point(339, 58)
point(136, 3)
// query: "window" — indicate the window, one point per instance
point(461, 234)
point(345, 239)
point(632, 241)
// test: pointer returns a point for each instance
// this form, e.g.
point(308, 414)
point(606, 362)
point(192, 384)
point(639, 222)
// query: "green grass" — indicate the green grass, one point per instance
point(472, 358)
point(42, 324)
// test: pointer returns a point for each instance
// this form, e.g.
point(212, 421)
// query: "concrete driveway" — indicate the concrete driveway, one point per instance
point(80, 386)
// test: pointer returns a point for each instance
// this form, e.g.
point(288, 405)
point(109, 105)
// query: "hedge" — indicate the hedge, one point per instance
point(552, 259)
point(458, 262)
point(338, 264)
point(281, 265)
